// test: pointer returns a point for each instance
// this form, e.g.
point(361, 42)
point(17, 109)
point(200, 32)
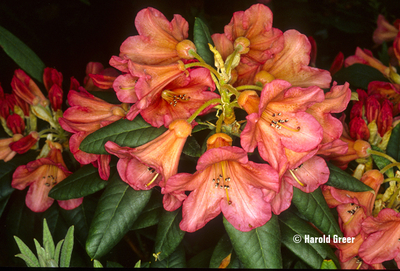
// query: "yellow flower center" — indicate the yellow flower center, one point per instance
point(221, 180)
point(172, 98)
point(278, 120)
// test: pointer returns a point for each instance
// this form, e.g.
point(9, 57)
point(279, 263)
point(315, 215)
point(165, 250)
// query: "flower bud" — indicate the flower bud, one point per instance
point(16, 124)
point(385, 117)
point(218, 140)
point(372, 107)
point(263, 77)
point(249, 101)
point(243, 44)
point(361, 147)
point(26, 143)
point(56, 97)
point(183, 49)
point(359, 129)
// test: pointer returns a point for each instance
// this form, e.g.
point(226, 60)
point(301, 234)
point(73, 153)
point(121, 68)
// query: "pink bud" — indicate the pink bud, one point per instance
point(359, 129)
point(24, 144)
point(16, 124)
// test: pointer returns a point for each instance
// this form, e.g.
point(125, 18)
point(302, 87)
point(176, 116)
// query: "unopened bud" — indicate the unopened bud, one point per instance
point(243, 44)
point(249, 101)
point(183, 49)
point(218, 140)
point(263, 77)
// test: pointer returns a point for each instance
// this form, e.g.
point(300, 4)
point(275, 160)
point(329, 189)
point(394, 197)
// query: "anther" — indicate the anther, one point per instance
point(47, 184)
point(279, 114)
point(227, 179)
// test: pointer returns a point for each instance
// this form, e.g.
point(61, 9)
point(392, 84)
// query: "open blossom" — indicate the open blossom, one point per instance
point(225, 181)
point(159, 41)
point(278, 120)
point(97, 78)
point(181, 98)
point(381, 238)
point(152, 163)
point(86, 115)
point(41, 175)
point(6, 153)
point(385, 31)
point(150, 81)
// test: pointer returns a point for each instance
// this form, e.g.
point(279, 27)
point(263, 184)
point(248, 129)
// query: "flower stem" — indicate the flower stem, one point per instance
point(391, 179)
point(201, 108)
point(204, 65)
point(247, 87)
point(378, 153)
point(383, 170)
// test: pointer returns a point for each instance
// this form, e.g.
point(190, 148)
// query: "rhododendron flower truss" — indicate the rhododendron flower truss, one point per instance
point(280, 121)
point(41, 175)
point(225, 182)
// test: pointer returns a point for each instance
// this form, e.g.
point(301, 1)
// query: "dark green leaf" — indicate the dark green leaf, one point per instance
point(169, 235)
point(393, 147)
point(314, 207)
point(21, 54)
point(123, 132)
point(117, 209)
point(176, 259)
point(113, 265)
point(342, 180)
point(358, 75)
point(85, 181)
point(381, 162)
point(201, 260)
point(235, 263)
point(221, 251)
point(295, 229)
point(151, 213)
point(202, 37)
point(192, 147)
point(258, 248)
point(81, 217)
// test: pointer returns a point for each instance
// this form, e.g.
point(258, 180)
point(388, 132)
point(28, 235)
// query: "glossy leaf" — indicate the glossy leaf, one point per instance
point(151, 213)
point(314, 207)
point(83, 182)
point(169, 235)
point(393, 147)
point(342, 180)
point(117, 209)
point(293, 233)
point(258, 248)
point(123, 132)
point(176, 259)
point(81, 217)
point(21, 54)
point(201, 38)
point(201, 260)
point(192, 147)
point(381, 162)
point(358, 75)
point(221, 251)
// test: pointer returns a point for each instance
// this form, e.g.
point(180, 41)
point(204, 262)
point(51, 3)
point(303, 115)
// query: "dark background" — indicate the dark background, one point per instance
point(67, 34)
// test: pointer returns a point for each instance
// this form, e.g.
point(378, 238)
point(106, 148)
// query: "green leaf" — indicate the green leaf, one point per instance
point(97, 264)
point(258, 248)
point(137, 265)
point(328, 264)
point(83, 182)
point(169, 235)
point(41, 254)
point(151, 213)
point(381, 162)
point(174, 260)
point(117, 209)
point(27, 254)
point(201, 260)
point(21, 54)
point(57, 252)
point(192, 147)
point(123, 132)
point(81, 217)
point(48, 242)
point(314, 207)
point(221, 251)
point(358, 75)
point(67, 247)
point(393, 147)
point(342, 180)
point(294, 230)
point(201, 38)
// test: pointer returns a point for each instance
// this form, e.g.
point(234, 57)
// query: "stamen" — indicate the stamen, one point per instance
point(297, 180)
point(154, 178)
point(268, 116)
point(173, 99)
